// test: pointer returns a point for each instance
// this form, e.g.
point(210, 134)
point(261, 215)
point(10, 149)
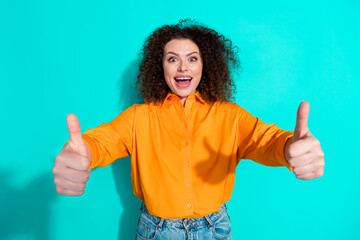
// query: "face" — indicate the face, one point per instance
point(182, 64)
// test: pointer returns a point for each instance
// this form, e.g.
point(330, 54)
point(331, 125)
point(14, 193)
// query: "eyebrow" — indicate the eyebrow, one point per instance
point(178, 54)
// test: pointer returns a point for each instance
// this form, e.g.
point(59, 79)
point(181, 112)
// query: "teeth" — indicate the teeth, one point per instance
point(182, 79)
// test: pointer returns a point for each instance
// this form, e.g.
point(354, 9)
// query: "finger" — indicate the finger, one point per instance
point(67, 192)
point(73, 175)
point(302, 146)
point(74, 129)
point(303, 170)
point(73, 160)
point(308, 176)
point(315, 174)
point(72, 186)
point(301, 120)
point(303, 159)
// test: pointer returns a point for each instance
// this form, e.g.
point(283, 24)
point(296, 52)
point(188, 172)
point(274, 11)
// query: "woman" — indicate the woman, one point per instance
point(186, 140)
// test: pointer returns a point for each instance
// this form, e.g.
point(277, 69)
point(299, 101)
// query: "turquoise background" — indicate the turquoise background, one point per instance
point(60, 57)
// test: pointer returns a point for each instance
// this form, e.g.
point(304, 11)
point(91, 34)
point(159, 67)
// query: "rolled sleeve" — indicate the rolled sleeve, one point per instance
point(261, 142)
point(111, 141)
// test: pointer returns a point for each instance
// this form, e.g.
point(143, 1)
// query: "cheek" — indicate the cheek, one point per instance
point(168, 70)
point(198, 70)
point(199, 67)
point(165, 68)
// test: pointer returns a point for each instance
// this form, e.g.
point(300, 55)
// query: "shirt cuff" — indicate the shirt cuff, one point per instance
point(281, 148)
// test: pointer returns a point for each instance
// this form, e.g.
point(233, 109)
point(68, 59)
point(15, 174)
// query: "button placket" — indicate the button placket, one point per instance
point(187, 157)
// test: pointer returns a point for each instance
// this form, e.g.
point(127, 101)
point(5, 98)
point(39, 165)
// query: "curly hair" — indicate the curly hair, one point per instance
point(218, 54)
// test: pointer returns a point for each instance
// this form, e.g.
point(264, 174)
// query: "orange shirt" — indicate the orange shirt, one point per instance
point(183, 159)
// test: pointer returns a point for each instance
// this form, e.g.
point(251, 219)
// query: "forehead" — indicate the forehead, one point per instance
point(181, 46)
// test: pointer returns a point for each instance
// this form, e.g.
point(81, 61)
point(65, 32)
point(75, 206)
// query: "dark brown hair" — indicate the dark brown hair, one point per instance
point(217, 53)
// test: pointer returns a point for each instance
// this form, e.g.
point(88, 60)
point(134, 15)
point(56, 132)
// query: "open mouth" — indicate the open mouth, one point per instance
point(183, 81)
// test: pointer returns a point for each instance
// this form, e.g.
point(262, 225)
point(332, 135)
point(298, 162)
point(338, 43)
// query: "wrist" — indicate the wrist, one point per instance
point(286, 147)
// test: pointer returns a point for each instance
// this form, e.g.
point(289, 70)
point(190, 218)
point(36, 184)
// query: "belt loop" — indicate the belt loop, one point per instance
point(159, 225)
point(209, 221)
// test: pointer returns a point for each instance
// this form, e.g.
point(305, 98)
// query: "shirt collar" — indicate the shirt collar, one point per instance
point(198, 96)
point(171, 96)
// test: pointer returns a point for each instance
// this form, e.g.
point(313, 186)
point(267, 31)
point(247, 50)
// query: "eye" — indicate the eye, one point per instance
point(192, 59)
point(172, 59)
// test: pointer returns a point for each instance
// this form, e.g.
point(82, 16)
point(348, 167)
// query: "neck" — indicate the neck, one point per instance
point(183, 100)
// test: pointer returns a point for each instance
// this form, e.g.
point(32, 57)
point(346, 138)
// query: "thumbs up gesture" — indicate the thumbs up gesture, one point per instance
point(71, 169)
point(303, 150)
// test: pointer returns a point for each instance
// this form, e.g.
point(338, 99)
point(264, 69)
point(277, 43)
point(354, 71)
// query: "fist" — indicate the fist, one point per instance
point(303, 151)
point(71, 169)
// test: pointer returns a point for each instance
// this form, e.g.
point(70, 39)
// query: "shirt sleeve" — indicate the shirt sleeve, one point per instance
point(111, 141)
point(260, 142)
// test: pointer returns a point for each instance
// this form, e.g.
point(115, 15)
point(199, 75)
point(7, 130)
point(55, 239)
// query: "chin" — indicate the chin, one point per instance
point(183, 93)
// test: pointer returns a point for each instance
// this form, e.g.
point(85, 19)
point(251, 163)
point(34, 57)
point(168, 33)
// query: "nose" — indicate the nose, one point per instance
point(182, 66)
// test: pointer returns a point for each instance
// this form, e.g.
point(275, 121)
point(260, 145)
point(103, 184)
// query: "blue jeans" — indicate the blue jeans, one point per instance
point(212, 226)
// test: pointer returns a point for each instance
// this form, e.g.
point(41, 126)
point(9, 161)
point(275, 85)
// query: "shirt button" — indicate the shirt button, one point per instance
point(188, 185)
point(189, 205)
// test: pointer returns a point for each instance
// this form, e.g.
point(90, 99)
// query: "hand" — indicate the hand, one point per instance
point(71, 169)
point(303, 150)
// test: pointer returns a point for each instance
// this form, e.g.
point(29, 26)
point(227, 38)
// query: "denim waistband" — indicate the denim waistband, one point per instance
point(181, 222)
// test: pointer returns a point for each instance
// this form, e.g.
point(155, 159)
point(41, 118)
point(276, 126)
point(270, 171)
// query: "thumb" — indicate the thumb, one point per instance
point(301, 127)
point(74, 129)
